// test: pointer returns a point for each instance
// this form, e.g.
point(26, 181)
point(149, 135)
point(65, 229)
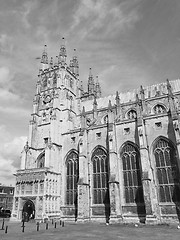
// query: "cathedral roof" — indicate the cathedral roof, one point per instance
point(130, 96)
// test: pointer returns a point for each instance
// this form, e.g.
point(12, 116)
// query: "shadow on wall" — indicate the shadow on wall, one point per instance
point(174, 157)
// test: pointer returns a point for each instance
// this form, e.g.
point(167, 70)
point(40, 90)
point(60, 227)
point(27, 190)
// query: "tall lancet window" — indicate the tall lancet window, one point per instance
point(132, 174)
point(167, 171)
point(41, 160)
point(100, 177)
point(72, 178)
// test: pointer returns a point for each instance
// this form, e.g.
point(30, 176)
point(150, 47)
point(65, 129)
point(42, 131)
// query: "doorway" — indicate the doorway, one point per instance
point(28, 211)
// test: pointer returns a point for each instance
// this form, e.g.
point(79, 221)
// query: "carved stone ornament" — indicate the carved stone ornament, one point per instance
point(90, 122)
point(47, 99)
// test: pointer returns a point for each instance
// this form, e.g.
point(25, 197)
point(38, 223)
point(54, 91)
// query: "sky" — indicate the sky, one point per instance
point(127, 43)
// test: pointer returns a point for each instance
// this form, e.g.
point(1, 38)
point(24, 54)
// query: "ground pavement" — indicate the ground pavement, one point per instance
point(83, 231)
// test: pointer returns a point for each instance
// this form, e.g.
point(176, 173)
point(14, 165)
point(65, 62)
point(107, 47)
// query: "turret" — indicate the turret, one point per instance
point(90, 83)
point(75, 64)
point(62, 54)
point(44, 59)
point(51, 63)
point(97, 88)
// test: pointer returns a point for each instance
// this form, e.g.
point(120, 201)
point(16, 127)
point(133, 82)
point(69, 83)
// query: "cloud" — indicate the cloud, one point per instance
point(104, 17)
point(10, 150)
point(6, 45)
point(11, 102)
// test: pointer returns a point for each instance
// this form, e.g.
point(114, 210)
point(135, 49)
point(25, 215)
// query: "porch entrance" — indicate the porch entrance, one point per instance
point(28, 211)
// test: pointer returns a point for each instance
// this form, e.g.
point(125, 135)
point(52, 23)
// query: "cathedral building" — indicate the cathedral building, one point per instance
point(93, 158)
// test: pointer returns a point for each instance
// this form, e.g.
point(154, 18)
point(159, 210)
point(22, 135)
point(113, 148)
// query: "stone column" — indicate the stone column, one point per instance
point(113, 167)
point(113, 181)
point(83, 212)
point(147, 176)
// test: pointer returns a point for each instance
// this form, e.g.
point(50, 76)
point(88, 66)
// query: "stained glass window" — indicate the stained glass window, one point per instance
point(132, 174)
point(72, 178)
point(167, 171)
point(100, 177)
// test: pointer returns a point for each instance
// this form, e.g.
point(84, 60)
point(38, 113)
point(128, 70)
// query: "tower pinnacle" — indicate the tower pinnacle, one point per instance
point(44, 59)
point(62, 53)
point(90, 83)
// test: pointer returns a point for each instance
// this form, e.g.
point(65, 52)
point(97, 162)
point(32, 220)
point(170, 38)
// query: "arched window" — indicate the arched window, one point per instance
point(167, 171)
point(72, 178)
point(132, 114)
point(41, 161)
point(159, 109)
point(132, 174)
point(100, 177)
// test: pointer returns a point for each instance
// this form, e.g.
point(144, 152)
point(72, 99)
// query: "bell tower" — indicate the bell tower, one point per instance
point(55, 110)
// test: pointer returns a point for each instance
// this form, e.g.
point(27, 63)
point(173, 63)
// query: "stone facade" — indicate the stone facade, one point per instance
point(102, 159)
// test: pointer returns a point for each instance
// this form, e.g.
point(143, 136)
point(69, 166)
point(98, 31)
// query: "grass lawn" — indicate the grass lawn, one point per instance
point(83, 231)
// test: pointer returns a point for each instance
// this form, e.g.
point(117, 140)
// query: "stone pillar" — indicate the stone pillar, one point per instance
point(113, 182)
point(113, 167)
point(147, 175)
point(83, 211)
point(176, 126)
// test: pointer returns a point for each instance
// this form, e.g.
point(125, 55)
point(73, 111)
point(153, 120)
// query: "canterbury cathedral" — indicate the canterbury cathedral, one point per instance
point(94, 158)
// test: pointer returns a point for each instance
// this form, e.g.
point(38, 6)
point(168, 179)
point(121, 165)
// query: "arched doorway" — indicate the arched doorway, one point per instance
point(28, 211)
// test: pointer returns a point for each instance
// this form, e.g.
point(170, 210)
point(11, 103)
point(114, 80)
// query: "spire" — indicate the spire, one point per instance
point(97, 88)
point(109, 106)
point(71, 66)
point(51, 63)
point(44, 59)
point(95, 101)
point(90, 83)
point(117, 98)
point(75, 63)
point(56, 62)
point(83, 112)
point(169, 88)
point(62, 53)
point(142, 92)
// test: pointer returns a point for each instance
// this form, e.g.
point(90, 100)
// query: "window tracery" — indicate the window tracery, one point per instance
point(72, 178)
point(132, 114)
point(100, 177)
point(159, 109)
point(167, 171)
point(132, 174)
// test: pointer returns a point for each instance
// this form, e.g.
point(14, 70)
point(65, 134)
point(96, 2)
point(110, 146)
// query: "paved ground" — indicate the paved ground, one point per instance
point(83, 231)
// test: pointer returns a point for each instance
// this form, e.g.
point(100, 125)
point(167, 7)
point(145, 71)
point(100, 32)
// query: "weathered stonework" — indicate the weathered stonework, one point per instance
point(75, 164)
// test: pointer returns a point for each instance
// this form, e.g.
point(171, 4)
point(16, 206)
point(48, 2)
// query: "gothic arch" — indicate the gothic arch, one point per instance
point(128, 142)
point(72, 175)
point(41, 160)
point(98, 147)
point(159, 105)
point(132, 173)
point(131, 114)
point(28, 211)
point(100, 176)
point(167, 170)
point(71, 150)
